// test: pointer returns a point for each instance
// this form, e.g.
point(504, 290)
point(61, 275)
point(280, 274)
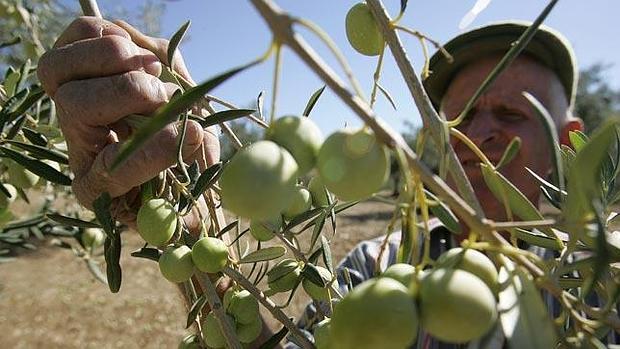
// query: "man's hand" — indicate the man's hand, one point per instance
point(98, 72)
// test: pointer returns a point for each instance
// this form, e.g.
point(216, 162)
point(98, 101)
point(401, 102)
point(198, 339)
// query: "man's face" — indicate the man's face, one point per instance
point(501, 114)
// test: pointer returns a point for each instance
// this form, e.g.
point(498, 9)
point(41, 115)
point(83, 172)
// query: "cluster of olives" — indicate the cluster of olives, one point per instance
point(157, 222)
point(260, 181)
point(285, 275)
point(454, 302)
point(242, 312)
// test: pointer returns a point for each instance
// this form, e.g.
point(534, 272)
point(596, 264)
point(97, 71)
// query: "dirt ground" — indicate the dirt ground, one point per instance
point(48, 298)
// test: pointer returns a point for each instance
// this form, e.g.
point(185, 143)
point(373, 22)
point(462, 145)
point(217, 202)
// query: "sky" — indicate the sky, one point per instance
point(228, 33)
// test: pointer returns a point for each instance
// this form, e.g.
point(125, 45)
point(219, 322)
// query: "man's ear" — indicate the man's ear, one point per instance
point(573, 124)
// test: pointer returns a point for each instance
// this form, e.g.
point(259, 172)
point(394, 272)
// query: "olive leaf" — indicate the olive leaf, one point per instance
point(195, 309)
point(72, 222)
point(444, 214)
point(175, 41)
point(522, 312)
point(577, 139)
point(312, 101)
point(42, 152)
point(584, 173)
point(511, 151)
point(259, 104)
point(551, 134)
point(31, 97)
point(14, 41)
point(311, 273)
point(147, 253)
point(403, 6)
point(169, 113)
point(34, 137)
point(327, 255)
point(535, 238)
point(275, 340)
point(223, 116)
point(387, 95)
point(264, 254)
point(37, 167)
point(112, 254)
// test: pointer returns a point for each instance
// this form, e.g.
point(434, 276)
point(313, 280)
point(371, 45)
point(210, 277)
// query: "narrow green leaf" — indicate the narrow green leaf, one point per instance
point(169, 113)
point(297, 220)
point(42, 152)
point(387, 95)
point(577, 139)
point(511, 151)
point(195, 309)
point(230, 226)
point(101, 206)
point(318, 227)
point(14, 41)
point(31, 98)
point(37, 167)
point(444, 214)
point(24, 72)
point(602, 255)
point(327, 255)
point(206, 179)
point(275, 339)
point(551, 133)
point(260, 104)
point(584, 183)
point(72, 222)
point(175, 41)
point(35, 137)
point(311, 273)
point(537, 239)
point(225, 115)
point(522, 312)
point(147, 253)
point(112, 254)
point(10, 81)
point(312, 101)
point(264, 254)
point(94, 269)
point(403, 5)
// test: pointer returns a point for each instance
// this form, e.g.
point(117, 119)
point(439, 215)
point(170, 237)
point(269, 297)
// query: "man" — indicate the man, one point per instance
point(98, 72)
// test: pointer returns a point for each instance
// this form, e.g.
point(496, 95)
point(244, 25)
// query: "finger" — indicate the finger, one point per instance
point(109, 55)
point(87, 28)
point(157, 155)
point(158, 46)
point(88, 107)
point(103, 101)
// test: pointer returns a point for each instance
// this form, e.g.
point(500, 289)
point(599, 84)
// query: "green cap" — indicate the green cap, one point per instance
point(548, 46)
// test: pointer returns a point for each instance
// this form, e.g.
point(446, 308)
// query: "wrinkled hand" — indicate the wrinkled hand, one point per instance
point(97, 73)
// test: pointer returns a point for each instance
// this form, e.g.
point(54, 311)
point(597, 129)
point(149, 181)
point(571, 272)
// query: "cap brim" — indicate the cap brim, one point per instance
point(547, 46)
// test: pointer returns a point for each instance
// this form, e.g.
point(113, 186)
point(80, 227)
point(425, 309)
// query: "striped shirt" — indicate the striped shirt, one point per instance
point(361, 265)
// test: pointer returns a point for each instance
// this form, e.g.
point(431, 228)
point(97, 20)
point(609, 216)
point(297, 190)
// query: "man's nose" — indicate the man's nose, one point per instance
point(482, 128)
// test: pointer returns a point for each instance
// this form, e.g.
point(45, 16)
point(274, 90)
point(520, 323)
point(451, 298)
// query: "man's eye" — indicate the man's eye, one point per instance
point(512, 116)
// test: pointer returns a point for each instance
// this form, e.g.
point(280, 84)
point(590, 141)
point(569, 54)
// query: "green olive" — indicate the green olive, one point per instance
point(243, 307)
point(258, 181)
point(378, 313)
point(472, 261)
point(300, 203)
point(363, 32)
point(213, 336)
point(93, 237)
point(176, 263)
point(300, 136)
point(247, 333)
point(284, 275)
point(400, 272)
point(156, 221)
point(264, 230)
point(450, 301)
point(321, 334)
point(210, 255)
point(317, 292)
point(352, 164)
point(318, 191)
